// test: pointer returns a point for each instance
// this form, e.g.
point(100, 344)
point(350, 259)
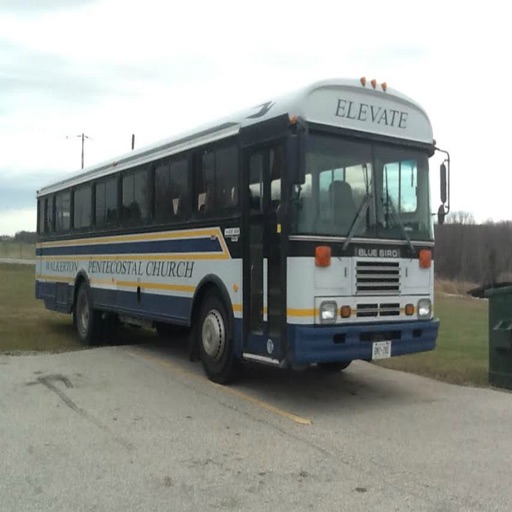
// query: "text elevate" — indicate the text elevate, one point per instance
point(364, 112)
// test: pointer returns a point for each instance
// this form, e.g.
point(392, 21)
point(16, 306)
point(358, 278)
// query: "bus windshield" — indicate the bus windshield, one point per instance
point(363, 189)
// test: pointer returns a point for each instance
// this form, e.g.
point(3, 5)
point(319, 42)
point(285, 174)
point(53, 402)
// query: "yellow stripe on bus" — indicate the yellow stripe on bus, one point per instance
point(142, 257)
point(165, 235)
point(56, 279)
point(301, 312)
point(158, 286)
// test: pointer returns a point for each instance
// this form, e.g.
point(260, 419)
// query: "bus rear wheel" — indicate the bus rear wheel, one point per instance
point(215, 341)
point(86, 319)
point(334, 367)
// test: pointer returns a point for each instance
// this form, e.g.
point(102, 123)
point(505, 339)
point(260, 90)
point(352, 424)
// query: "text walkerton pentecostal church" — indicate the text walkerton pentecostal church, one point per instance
point(180, 269)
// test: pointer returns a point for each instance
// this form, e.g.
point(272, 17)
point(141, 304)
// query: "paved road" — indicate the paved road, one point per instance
point(139, 428)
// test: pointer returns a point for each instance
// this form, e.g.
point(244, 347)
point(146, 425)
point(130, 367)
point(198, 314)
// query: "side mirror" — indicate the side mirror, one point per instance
point(441, 214)
point(443, 183)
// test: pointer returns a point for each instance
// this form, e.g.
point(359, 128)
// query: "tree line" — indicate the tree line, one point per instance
point(22, 237)
point(477, 253)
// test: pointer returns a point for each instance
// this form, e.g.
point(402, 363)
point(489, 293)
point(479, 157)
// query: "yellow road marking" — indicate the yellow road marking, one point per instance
point(235, 392)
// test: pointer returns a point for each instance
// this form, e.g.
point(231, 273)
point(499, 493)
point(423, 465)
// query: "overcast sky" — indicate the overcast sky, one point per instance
point(110, 68)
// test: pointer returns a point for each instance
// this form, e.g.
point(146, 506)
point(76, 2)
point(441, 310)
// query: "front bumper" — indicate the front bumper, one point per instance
point(315, 344)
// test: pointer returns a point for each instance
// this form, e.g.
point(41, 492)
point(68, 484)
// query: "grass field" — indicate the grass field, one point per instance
point(24, 322)
point(17, 250)
point(461, 355)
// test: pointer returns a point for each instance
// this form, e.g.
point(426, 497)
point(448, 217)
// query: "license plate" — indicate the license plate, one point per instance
point(381, 350)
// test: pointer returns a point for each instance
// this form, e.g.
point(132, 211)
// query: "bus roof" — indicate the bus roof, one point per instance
point(347, 103)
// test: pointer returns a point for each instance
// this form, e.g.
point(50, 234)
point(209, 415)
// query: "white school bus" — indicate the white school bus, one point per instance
point(297, 232)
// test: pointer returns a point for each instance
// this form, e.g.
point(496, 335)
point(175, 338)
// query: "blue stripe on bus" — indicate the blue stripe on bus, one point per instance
point(187, 245)
point(150, 305)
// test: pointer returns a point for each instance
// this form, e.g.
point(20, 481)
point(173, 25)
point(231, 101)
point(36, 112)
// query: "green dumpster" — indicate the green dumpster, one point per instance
point(500, 336)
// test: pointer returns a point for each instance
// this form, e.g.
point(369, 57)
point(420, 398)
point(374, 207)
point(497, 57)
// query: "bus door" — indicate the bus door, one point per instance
point(263, 291)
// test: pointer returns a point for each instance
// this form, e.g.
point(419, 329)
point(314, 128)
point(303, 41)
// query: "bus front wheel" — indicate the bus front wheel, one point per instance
point(215, 341)
point(86, 319)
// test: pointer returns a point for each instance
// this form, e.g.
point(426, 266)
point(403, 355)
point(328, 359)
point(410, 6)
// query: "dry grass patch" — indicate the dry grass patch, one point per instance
point(445, 286)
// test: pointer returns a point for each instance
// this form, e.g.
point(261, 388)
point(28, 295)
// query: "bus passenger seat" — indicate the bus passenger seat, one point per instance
point(342, 204)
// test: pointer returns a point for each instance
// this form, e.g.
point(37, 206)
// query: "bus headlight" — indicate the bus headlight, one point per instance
point(424, 308)
point(328, 311)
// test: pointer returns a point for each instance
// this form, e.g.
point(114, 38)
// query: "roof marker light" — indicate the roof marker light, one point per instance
point(384, 86)
point(374, 83)
point(363, 81)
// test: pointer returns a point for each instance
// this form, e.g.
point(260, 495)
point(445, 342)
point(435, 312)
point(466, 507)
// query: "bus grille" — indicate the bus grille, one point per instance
point(377, 278)
point(384, 309)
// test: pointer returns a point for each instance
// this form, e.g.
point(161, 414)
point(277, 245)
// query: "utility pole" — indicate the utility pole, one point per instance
point(83, 136)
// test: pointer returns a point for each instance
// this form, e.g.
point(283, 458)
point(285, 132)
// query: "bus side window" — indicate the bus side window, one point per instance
point(226, 177)
point(82, 214)
point(40, 216)
point(179, 189)
point(276, 166)
point(135, 196)
point(216, 181)
point(203, 183)
point(51, 214)
point(62, 211)
point(106, 201)
point(164, 209)
point(256, 182)
point(48, 214)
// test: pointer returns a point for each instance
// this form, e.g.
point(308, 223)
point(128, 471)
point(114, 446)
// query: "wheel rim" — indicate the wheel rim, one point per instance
point(214, 335)
point(83, 314)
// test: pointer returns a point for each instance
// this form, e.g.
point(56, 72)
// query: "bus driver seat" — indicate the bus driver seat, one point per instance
point(342, 204)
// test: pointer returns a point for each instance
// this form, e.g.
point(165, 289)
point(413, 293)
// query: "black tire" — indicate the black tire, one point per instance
point(214, 338)
point(334, 367)
point(86, 319)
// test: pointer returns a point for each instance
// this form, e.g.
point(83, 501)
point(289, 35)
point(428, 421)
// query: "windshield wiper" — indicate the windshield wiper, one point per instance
point(389, 202)
point(360, 212)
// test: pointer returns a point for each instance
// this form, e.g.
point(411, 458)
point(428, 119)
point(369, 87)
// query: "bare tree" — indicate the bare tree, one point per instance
point(460, 217)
